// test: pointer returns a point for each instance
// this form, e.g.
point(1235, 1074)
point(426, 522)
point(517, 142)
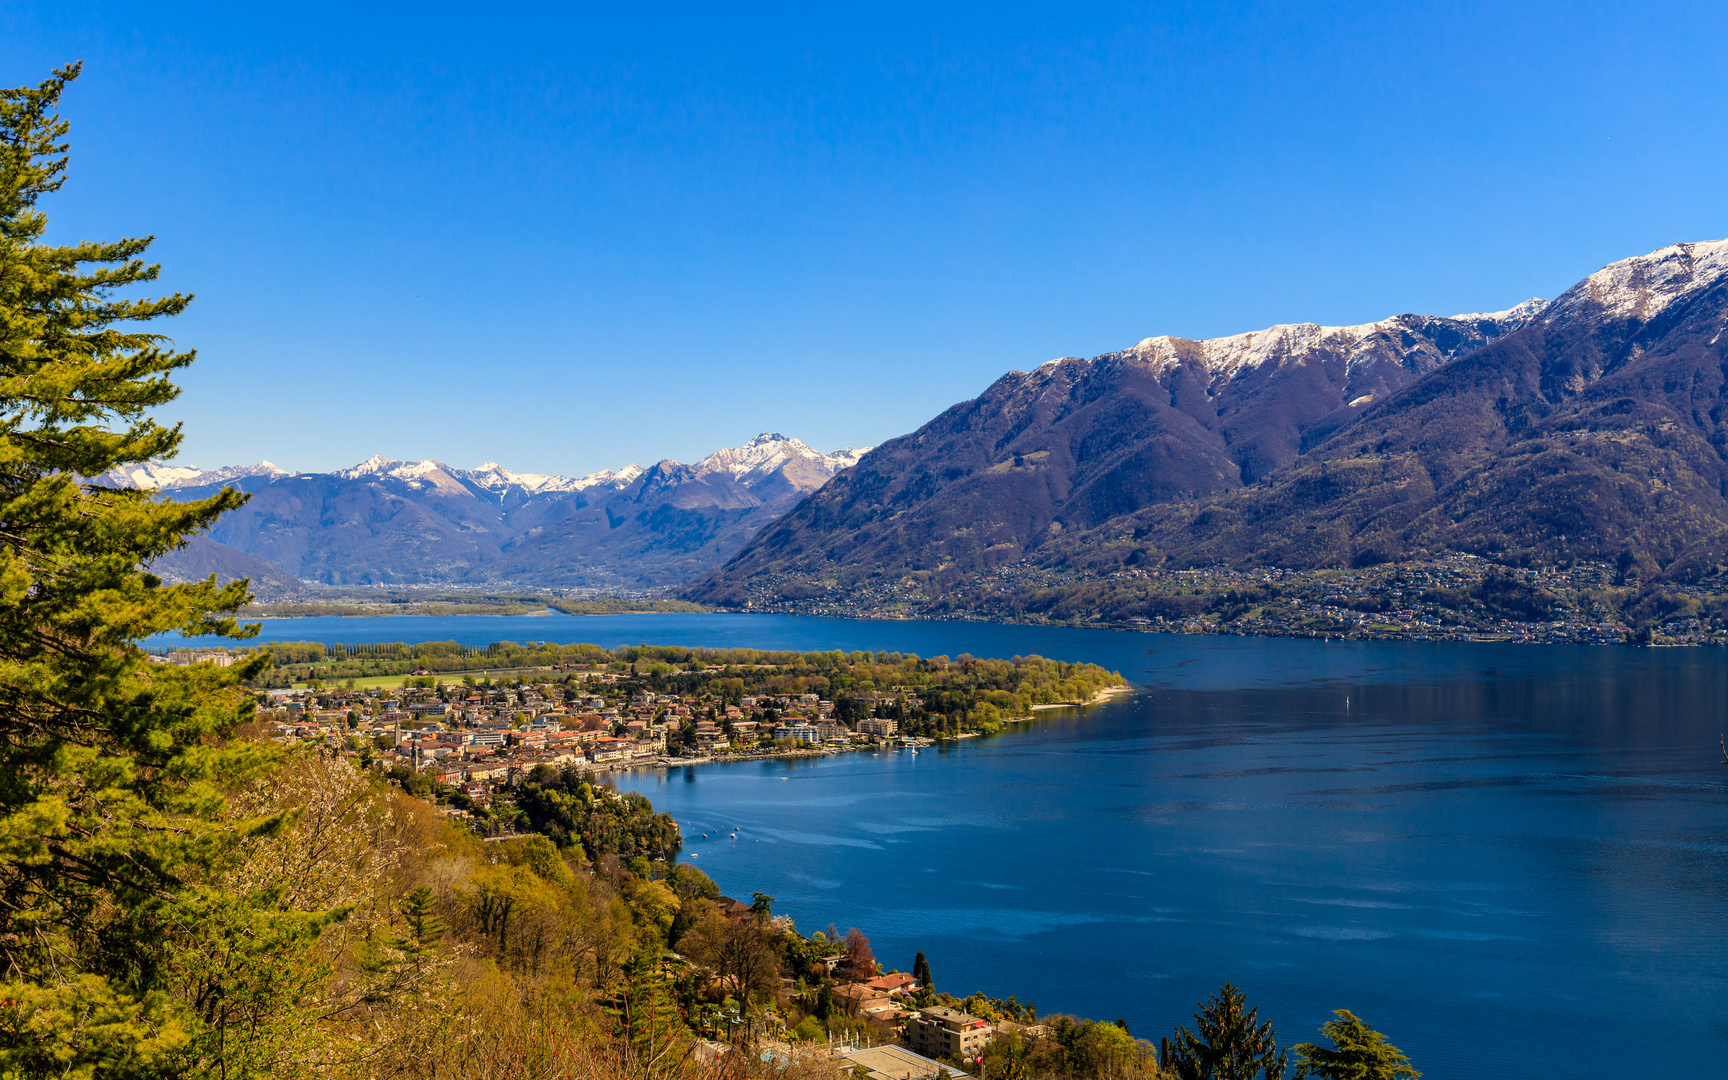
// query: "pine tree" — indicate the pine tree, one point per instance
point(424, 925)
point(921, 970)
point(1228, 1044)
point(1359, 1053)
point(649, 1016)
point(112, 769)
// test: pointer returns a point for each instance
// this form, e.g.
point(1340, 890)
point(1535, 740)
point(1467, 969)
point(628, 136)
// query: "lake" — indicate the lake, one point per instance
point(1513, 860)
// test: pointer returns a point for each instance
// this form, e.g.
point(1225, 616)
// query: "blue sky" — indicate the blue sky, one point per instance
point(565, 239)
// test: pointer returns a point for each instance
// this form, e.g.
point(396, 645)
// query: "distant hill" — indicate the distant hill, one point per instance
point(424, 522)
point(1589, 426)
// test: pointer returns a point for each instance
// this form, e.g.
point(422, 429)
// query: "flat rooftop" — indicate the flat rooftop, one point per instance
point(898, 1063)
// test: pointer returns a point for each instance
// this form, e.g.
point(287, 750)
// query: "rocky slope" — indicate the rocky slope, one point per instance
point(1077, 443)
point(409, 522)
point(1588, 426)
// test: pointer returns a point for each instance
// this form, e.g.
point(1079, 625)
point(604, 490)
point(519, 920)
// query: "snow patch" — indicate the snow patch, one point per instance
point(160, 476)
point(1230, 356)
point(1512, 318)
point(1642, 286)
point(770, 452)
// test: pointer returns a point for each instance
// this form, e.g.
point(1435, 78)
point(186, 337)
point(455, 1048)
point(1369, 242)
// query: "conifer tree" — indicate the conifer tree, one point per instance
point(112, 769)
point(424, 925)
point(1358, 1053)
point(1227, 1044)
point(649, 1017)
point(921, 970)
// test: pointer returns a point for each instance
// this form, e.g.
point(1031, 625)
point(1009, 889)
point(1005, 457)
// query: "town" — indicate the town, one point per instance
point(472, 738)
point(486, 749)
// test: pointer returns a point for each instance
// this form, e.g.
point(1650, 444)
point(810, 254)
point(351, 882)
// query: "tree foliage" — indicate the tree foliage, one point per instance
point(114, 826)
point(860, 961)
point(1227, 1043)
point(1358, 1053)
point(564, 805)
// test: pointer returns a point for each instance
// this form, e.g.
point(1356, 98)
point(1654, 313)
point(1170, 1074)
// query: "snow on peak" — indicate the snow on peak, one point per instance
point(1642, 286)
point(1227, 356)
point(495, 477)
point(609, 478)
point(848, 456)
point(160, 476)
point(377, 465)
point(771, 451)
point(1510, 319)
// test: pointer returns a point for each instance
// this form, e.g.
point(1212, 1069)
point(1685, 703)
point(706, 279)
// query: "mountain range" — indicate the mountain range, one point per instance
point(425, 522)
point(1589, 426)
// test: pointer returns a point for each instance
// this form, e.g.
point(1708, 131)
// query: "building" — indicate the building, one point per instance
point(942, 1032)
point(874, 726)
point(858, 998)
point(895, 1063)
point(805, 733)
point(895, 983)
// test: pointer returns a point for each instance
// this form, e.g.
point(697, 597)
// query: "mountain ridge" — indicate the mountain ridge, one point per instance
point(1303, 446)
point(386, 521)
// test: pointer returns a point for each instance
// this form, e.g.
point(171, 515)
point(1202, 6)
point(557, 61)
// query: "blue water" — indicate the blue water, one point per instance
point(1511, 859)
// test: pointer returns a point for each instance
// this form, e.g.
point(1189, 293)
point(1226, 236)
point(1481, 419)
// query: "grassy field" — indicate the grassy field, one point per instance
point(392, 682)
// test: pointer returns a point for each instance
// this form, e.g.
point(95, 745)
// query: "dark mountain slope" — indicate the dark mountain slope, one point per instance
point(203, 556)
point(1600, 427)
point(1077, 443)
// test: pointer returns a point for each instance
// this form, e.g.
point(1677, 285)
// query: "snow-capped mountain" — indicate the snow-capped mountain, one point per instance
point(388, 520)
point(161, 476)
point(1591, 426)
point(771, 451)
point(767, 454)
point(1434, 339)
point(1643, 286)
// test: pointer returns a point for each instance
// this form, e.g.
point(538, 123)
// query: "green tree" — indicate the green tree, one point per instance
point(649, 1017)
point(1358, 1053)
point(761, 905)
point(1227, 1044)
point(425, 928)
point(921, 970)
point(113, 770)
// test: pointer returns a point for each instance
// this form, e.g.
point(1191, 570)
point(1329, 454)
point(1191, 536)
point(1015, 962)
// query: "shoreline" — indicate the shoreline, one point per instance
point(1616, 635)
point(665, 762)
point(1099, 698)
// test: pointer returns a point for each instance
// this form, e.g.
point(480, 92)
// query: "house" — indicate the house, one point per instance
point(804, 733)
point(734, 909)
point(860, 998)
point(874, 726)
point(607, 749)
point(894, 983)
point(944, 1032)
point(894, 1063)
